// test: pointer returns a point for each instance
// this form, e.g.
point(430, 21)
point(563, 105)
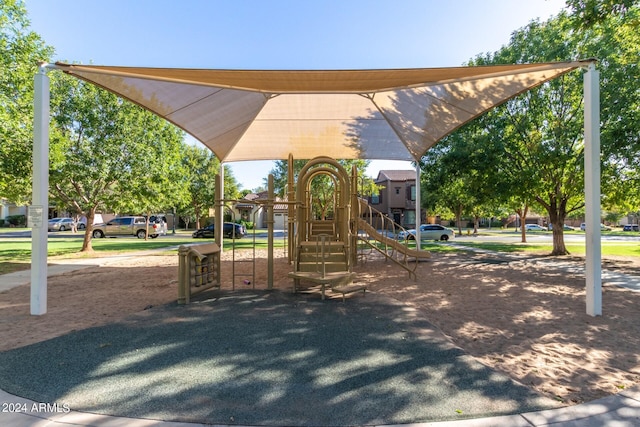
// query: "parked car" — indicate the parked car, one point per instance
point(534, 227)
point(565, 227)
point(230, 230)
point(161, 222)
point(631, 227)
point(126, 226)
point(428, 232)
point(61, 224)
point(603, 227)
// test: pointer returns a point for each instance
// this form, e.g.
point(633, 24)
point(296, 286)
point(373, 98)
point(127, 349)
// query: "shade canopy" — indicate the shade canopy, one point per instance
point(393, 114)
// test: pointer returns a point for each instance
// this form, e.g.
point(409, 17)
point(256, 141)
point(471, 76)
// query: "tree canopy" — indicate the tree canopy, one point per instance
point(110, 154)
point(20, 52)
point(532, 146)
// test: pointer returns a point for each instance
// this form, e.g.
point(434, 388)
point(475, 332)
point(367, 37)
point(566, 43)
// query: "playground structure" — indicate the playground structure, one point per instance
point(265, 114)
point(322, 251)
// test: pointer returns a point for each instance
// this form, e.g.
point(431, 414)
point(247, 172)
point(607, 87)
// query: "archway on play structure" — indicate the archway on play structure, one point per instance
point(311, 222)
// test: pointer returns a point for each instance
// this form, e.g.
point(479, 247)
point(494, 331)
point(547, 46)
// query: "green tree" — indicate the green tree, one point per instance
point(157, 175)
point(587, 13)
point(540, 132)
point(202, 167)
point(543, 128)
point(537, 138)
point(231, 186)
point(616, 40)
point(443, 187)
point(110, 154)
point(20, 52)
point(459, 176)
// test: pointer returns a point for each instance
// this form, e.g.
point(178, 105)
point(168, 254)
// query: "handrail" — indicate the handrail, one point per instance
point(385, 222)
point(400, 251)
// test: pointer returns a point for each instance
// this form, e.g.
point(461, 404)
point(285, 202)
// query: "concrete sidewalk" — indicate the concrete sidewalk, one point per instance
point(61, 266)
point(621, 410)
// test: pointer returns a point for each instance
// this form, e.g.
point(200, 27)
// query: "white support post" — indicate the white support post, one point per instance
point(270, 233)
point(418, 219)
point(593, 268)
point(219, 219)
point(40, 203)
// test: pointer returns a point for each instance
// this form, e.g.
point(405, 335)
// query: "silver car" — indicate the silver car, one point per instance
point(428, 232)
point(61, 224)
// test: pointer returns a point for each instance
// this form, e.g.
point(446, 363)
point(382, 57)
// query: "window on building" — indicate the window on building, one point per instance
point(375, 199)
point(397, 190)
point(409, 217)
point(412, 193)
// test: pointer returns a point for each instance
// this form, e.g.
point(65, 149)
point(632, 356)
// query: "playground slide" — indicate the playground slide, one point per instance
point(400, 253)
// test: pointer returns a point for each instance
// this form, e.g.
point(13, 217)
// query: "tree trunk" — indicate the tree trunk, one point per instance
point(523, 231)
point(558, 240)
point(557, 210)
point(557, 224)
point(88, 231)
point(197, 212)
point(459, 219)
point(522, 214)
point(476, 224)
point(146, 231)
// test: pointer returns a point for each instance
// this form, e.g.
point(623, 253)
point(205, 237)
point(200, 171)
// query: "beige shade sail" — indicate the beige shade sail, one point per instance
point(395, 114)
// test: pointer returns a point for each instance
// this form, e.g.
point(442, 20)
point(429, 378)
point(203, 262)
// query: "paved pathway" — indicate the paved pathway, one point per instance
point(621, 410)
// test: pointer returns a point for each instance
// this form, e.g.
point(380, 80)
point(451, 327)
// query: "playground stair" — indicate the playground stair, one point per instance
point(310, 258)
point(318, 228)
point(325, 263)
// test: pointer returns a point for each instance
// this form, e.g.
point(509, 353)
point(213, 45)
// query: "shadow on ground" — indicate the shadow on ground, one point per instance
point(267, 358)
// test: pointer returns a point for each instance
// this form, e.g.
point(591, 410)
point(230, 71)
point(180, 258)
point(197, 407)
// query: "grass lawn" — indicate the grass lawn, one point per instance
point(608, 248)
point(15, 253)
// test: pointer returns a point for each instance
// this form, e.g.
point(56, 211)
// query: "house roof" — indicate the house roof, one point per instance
point(396, 175)
point(262, 196)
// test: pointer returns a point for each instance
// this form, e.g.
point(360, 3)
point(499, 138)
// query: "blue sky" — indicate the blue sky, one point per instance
point(272, 34)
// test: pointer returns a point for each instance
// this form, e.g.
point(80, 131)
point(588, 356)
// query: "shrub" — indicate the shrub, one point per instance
point(17, 220)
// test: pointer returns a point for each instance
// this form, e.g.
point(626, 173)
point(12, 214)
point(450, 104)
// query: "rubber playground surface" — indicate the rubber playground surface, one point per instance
point(267, 358)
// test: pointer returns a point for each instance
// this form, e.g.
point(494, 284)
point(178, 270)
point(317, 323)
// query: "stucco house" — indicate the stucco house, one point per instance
point(397, 196)
point(251, 208)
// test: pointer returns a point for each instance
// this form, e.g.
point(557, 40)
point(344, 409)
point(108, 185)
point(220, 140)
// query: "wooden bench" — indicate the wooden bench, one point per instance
point(340, 282)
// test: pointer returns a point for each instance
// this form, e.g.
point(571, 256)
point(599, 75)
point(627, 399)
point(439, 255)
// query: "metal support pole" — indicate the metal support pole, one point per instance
point(184, 285)
point(291, 210)
point(218, 221)
point(40, 203)
point(593, 267)
point(418, 216)
point(270, 222)
point(355, 215)
point(218, 212)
